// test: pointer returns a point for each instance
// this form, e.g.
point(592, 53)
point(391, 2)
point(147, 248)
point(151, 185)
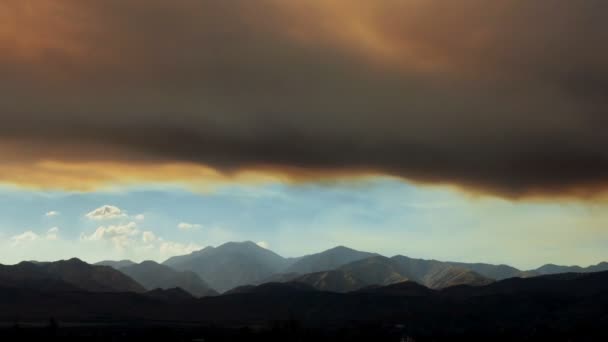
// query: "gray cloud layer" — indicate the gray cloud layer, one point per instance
point(507, 96)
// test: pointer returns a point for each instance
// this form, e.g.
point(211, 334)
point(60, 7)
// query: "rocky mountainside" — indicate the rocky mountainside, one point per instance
point(379, 270)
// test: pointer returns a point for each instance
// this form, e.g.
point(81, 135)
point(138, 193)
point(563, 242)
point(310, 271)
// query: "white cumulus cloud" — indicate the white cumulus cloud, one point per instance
point(148, 237)
point(120, 235)
point(189, 226)
point(52, 234)
point(106, 212)
point(169, 248)
point(25, 237)
point(52, 213)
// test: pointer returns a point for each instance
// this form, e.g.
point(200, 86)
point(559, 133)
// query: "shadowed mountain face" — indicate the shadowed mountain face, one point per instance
point(380, 270)
point(170, 295)
point(273, 289)
point(498, 272)
point(156, 276)
point(327, 260)
point(563, 284)
point(554, 269)
point(67, 275)
point(334, 281)
point(27, 275)
point(437, 274)
point(406, 288)
point(230, 265)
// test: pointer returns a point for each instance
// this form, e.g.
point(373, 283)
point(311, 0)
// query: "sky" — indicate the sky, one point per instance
point(383, 215)
point(461, 130)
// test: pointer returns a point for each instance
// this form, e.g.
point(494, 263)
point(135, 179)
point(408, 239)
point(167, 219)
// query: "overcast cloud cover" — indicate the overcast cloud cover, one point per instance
point(507, 97)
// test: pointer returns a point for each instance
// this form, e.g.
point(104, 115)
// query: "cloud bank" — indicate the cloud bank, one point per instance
point(506, 97)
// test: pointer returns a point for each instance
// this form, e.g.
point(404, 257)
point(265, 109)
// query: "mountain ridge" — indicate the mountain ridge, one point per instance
point(153, 275)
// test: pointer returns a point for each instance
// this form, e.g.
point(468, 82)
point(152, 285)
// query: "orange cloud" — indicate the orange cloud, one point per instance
point(466, 92)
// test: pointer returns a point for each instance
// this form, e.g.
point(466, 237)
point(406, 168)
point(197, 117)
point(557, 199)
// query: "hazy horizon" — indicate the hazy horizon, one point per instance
point(381, 215)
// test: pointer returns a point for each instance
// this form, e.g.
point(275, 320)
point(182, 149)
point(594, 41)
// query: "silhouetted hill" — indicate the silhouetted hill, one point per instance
point(406, 288)
point(91, 277)
point(327, 260)
point(230, 265)
point(567, 307)
point(273, 288)
point(571, 284)
point(27, 275)
point(170, 295)
point(153, 275)
point(68, 275)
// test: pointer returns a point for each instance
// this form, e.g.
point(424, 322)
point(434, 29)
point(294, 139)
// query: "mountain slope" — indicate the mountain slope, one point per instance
point(327, 260)
point(497, 272)
point(334, 281)
point(156, 276)
point(170, 295)
point(382, 271)
point(92, 278)
point(436, 274)
point(231, 264)
point(554, 269)
point(405, 288)
point(68, 275)
point(27, 275)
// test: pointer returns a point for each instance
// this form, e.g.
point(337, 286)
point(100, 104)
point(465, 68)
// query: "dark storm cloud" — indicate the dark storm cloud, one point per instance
point(508, 97)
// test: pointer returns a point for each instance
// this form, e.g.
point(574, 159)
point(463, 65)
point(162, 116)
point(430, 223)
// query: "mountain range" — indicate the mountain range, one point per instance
point(235, 266)
point(339, 269)
point(351, 289)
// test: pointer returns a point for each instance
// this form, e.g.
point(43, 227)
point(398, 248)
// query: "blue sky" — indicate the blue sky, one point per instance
point(381, 215)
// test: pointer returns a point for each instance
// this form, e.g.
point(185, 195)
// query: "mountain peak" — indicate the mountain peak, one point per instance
point(327, 260)
point(75, 261)
point(234, 244)
point(341, 248)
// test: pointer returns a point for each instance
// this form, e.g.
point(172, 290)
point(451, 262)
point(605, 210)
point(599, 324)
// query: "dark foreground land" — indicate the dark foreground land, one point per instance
point(565, 307)
point(277, 331)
